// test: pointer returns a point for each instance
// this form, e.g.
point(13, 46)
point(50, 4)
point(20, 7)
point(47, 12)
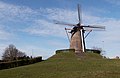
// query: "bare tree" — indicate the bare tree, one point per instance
point(11, 53)
point(20, 54)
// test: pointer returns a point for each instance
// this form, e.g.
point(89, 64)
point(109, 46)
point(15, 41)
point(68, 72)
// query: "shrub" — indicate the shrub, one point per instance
point(65, 50)
point(7, 65)
point(94, 51)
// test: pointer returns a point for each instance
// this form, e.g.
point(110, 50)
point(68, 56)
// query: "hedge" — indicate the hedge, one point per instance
point(65, 50)
point(7, 65)
point(93, 51)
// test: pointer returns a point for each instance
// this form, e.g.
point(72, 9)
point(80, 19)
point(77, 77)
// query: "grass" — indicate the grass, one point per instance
point(67, 65)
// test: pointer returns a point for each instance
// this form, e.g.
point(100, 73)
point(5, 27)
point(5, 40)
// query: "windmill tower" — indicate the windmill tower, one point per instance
point(77, 40)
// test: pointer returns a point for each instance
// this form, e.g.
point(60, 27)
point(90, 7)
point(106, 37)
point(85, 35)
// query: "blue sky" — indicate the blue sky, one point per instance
point(29, 25)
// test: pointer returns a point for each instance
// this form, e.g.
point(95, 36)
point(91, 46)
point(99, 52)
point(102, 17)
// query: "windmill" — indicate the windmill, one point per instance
point(77, 40)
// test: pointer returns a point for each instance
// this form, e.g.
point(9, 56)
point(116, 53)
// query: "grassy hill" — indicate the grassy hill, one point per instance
point(67, 65)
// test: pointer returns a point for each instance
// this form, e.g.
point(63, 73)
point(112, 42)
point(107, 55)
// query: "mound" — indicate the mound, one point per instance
point(66, 64)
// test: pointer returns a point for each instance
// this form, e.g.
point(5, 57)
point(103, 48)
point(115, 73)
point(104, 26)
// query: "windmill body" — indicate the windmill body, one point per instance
point(76, 41)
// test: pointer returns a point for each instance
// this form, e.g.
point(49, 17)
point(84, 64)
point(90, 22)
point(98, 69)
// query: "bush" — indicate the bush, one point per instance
point(7, 65)
point(94, 51)
point(65, 50)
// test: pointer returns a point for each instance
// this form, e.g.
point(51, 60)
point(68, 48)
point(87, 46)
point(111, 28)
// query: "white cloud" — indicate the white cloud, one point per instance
point(5, 35)
point(115, 2)
point(112, 30)
point(43, 27)
point(63, 15)
point(9, 12)
point(10, 15)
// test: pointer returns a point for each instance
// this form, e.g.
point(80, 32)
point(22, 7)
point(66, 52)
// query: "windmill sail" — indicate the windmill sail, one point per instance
point(79, 17)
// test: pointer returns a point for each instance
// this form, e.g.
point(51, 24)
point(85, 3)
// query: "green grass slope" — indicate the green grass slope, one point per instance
point(67, 65)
